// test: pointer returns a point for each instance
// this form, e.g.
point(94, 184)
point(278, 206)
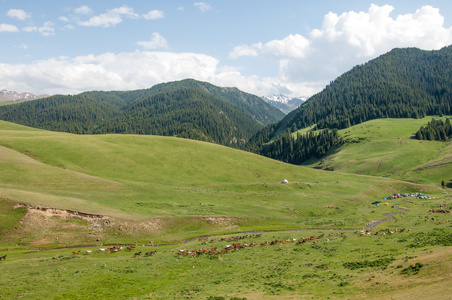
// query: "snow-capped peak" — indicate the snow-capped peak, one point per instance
point(284, 102)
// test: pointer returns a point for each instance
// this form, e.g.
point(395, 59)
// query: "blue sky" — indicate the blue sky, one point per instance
point(263, 47)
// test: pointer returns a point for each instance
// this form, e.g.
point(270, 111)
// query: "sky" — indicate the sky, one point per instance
point(293, 47)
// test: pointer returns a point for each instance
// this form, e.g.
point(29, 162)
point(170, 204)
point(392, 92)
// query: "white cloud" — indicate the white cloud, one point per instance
point(111, 18)
point(139, 69)
point(18, 14)
point(293, 46)
point(8, 28)
point(124, 71)
point(63, 19)
point(156, 42)
point(244, 50)
point(83, 10)
point(346, 40)
point(154, 15)
point(46, 29)
point(204, 7)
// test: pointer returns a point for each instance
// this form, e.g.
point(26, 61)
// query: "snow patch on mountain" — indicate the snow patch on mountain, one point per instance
point(6, 95)
point(283, 102)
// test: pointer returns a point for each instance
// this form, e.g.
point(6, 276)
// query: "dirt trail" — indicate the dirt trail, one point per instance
point(390, 217)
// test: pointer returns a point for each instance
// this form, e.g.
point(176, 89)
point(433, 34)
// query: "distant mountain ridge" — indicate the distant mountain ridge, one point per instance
point(284, 103)
point(6, 95)
point(187, 108)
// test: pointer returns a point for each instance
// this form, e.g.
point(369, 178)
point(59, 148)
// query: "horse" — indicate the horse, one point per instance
point(3, 257)
point(150, 253)
point(76, 252)
point(137, 254)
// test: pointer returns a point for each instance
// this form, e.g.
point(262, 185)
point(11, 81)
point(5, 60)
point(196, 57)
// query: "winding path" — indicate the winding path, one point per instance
point(390, 217)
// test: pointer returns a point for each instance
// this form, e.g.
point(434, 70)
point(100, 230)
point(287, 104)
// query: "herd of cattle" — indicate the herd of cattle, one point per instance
point(238, 246)
point(235, 245)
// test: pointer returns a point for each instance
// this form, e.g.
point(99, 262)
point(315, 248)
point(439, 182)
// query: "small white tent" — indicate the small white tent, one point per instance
point(285, 181)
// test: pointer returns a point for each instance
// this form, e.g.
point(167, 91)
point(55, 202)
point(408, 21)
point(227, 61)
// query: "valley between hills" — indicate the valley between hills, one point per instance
point(187, 190)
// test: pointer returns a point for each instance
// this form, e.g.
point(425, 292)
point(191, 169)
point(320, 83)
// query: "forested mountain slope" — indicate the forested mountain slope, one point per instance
point(185, 113)
point(254, 105)
point(404, 83)
point(186, 108)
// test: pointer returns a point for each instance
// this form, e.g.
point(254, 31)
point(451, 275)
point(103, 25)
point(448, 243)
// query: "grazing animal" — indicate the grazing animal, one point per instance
point(3, 257)
point(89, 251)
point(76, 252)
point(150, 253)
point(130, 248)
point(137, 254)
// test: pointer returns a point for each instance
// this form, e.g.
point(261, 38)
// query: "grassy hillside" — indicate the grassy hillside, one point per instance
point(149, 190)
point(180, 184)
point(386, 147)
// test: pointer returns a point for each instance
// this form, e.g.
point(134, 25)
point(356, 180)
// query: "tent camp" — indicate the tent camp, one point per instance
point(285, 181)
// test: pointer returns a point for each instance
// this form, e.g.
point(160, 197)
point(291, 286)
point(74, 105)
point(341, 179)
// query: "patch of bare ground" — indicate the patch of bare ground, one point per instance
point(223, 222)
point(42, 226)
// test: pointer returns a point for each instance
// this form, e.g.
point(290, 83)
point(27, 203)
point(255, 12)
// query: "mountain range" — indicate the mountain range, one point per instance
point(6, 95)
point(403, 83)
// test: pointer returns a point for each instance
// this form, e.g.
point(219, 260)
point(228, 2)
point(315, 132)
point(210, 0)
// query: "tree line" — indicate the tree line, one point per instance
point(436, 130)
point(299, 148)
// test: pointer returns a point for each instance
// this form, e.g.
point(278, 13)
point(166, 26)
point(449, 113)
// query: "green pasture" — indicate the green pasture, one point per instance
point(167, 189)
point(413, 261)
point(386, 147)
point(153, 192)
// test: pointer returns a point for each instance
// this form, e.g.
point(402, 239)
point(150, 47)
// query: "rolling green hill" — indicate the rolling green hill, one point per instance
point(93, 192)
point(187, 108)
point(149, 177)
point(387, 147)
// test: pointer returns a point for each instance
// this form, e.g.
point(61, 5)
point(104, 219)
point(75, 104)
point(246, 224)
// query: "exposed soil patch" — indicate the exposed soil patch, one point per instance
point(224, 222)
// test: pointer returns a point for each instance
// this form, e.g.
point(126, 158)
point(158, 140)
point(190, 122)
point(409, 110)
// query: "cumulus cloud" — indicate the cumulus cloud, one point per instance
point(204, 7)
point(109, 71)
point(156, 42)
point(244, 50)
point(8, 28)
point(111, 18)
point(47, 29)
point(124, 71)
point(346, 40)
point(18, 14)
point(83, 10)
point(154, 15)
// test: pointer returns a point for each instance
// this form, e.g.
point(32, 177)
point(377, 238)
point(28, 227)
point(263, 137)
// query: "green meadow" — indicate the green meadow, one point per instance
point(387, 147)
point(61, 193)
